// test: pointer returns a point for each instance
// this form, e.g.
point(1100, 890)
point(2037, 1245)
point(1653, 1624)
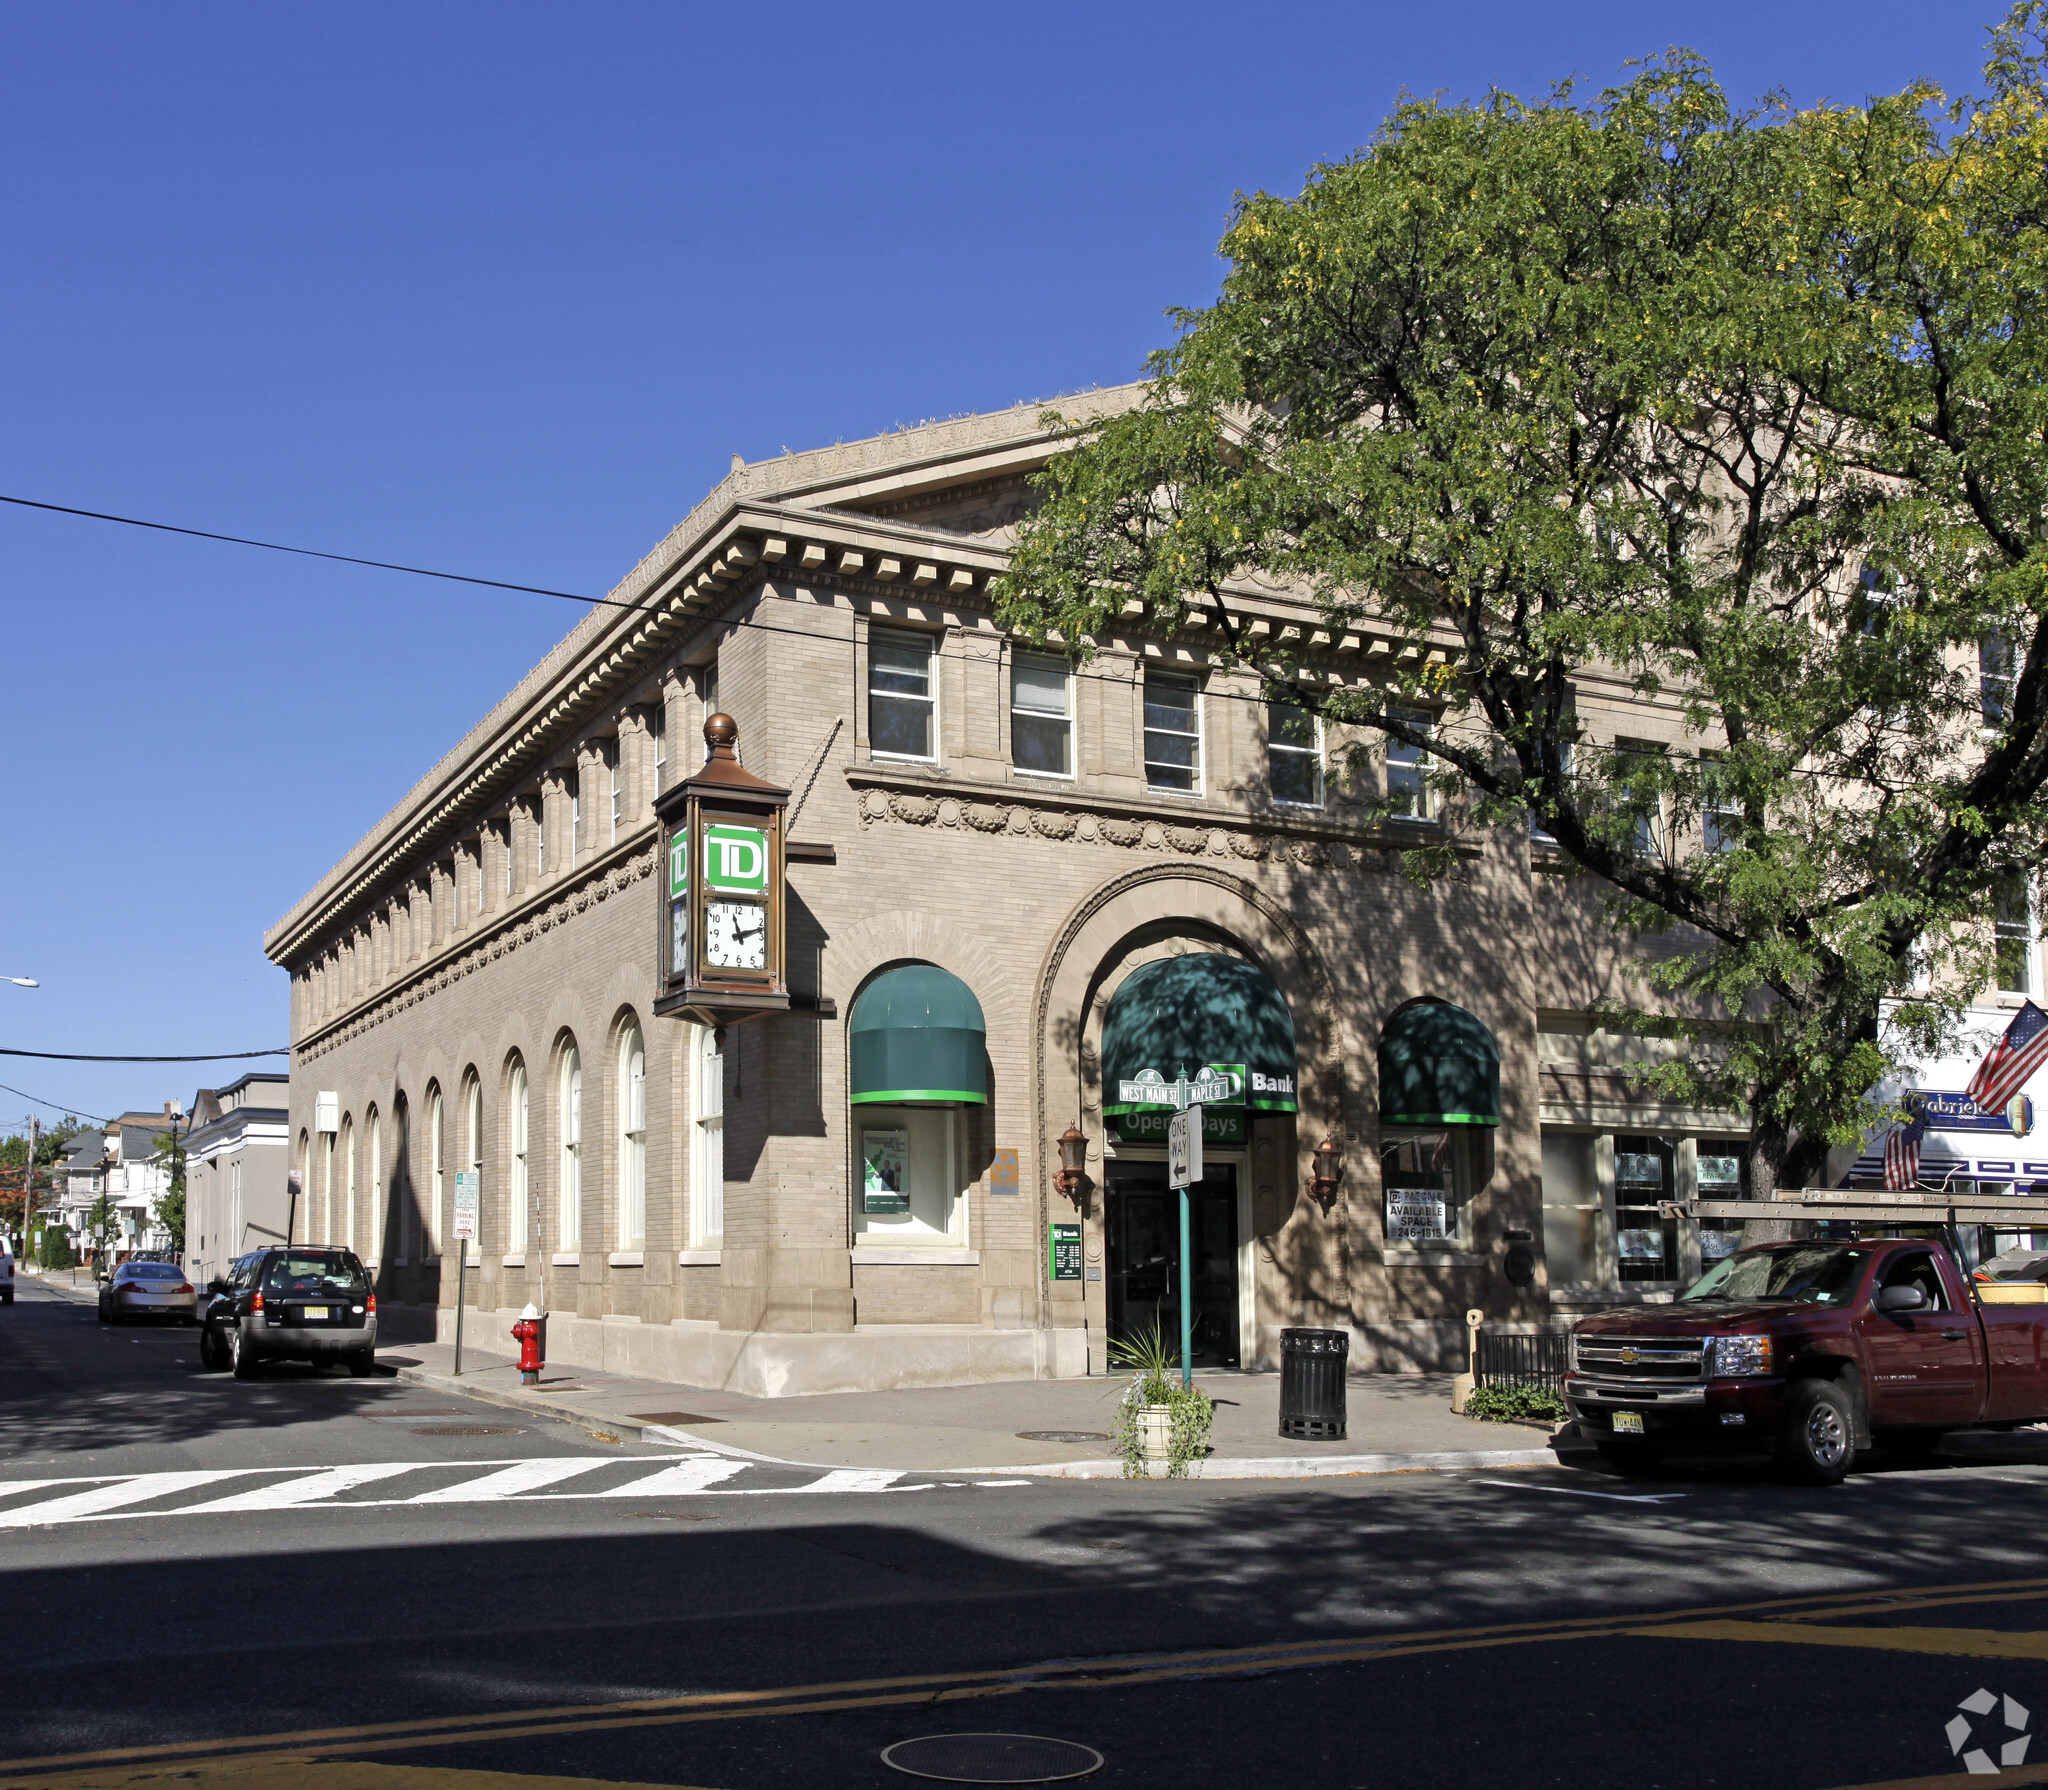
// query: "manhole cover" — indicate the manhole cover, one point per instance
point(464, 1429)
point(992, 1758)
point(1063, 1435)
point(673, 1417)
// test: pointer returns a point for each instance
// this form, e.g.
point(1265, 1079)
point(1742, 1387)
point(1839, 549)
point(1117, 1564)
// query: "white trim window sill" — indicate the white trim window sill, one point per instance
point(699, 1258)
point(913, 1255)
point(569, 1259)
point(512, 1261)
point(626, 1258)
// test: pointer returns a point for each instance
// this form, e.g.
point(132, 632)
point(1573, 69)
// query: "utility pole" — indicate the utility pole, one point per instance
point(28, 1186)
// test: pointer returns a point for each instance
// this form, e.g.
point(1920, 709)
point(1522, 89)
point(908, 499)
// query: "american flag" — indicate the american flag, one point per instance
point(1902, 1156)
point(2010, 1063)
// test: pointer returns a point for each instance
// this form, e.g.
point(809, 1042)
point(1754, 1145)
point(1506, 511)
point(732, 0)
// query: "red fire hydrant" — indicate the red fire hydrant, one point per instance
point(527, 1330)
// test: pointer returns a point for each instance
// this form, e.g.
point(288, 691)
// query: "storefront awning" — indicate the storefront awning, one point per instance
point(1184, 1015)
point(1438, 1066)
point(917, 1034)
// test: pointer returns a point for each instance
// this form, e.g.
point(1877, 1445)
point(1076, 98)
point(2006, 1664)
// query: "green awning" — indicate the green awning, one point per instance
point(1438, 1066)
point(917, 1034)
point(1182, 1015)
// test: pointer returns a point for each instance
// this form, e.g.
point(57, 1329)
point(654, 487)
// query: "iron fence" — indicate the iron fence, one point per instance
point(1509, 1360)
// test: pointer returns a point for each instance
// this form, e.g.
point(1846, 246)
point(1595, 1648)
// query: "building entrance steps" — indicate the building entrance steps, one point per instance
point(1052, 1428)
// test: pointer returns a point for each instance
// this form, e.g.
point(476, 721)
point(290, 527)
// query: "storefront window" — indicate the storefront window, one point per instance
point(909, 1177)
point(1420, 1181)
point(1646, 1242)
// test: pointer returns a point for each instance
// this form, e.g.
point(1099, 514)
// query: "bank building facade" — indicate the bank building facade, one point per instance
point(798, 964)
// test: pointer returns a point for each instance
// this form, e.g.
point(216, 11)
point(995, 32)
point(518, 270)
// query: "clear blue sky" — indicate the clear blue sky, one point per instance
point(501, 288)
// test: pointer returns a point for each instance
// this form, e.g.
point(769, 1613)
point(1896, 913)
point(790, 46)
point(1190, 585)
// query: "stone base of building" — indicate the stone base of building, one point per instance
point(781, 1364)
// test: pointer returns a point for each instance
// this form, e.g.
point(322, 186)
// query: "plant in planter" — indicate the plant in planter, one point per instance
point(1158, 1420)
point(1511, 1404)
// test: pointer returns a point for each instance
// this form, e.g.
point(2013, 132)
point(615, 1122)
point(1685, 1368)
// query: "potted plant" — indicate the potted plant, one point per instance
point(1161, 1425)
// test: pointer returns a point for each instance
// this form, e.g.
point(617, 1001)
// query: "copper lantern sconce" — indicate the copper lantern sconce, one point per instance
point(1073, 1175)
point(1329, 1173)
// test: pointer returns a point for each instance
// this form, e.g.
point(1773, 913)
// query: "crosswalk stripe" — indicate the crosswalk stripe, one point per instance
point(684, 1476)
point(850, 1479)
point(525, 1476)
point(302, 1491)
point(112, 1497)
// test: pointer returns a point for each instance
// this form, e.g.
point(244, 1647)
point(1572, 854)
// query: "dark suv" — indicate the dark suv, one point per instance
point(300, 1304)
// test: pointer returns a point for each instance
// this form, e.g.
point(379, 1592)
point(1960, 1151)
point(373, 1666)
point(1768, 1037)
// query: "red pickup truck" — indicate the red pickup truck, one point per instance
point(1814, 1351)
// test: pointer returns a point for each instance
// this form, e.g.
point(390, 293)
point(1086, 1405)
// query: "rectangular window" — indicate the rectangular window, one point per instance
point(657, 732)
point(1720, 810)
point(1041, 716)
point(1996, 668)
point(708, 1210)
point(901, 703)
point(709, 689)
point(1419, 1178)
point(574, 781)
point(1637, 787)
point(2015, 938)
point(913, 1181)
point(618, 790)
point(1408, 791)
point(1173, 733)
point(539, 811)
point(1294, 755)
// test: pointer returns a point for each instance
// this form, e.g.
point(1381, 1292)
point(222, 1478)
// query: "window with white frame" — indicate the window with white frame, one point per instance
point(327, 1150)
point(437, 1173)
point(570, 1224)
point(1041, 716)
point(519, 1193)
point(1638, 788)
point(657, 734)
point(2014, 937)
point(1424, 1191)
point(373, 1177)
point(1408, 792)
point(912, 1176)
point(707, 1214)
point(539, 812)
point(708, 689)
point(1294, 755)
point(632, 1139)
point(1997, 667)
point(617, 789)
point(1173, 732)
point(573, 782)
point(348, 1192)
point(902, 702)
point(473, 1133)
point(1720, 807)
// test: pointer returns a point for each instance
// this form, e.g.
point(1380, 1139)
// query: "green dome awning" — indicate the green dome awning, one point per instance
point(1182, 1015)
point(917, 1034)
point(1438, 1066)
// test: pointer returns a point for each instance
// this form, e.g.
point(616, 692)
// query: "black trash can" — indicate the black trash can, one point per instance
point(1312, 1366)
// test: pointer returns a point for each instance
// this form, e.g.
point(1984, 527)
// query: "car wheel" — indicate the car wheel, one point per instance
point(1818, 1443)
point(213, 1349)
point(241, 1358)
point(1632, 1459)
point(362, 1363)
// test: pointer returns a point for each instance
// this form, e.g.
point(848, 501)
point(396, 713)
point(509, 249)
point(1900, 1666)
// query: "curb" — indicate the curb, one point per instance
point(1328, 1466)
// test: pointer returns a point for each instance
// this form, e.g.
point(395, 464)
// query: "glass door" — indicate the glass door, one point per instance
point(1144, 1257)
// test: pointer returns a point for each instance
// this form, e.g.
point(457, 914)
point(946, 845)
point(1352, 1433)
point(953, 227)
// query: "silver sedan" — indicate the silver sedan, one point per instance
point(148, 1290)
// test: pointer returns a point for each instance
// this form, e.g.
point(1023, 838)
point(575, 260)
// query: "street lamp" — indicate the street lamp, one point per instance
point(1329, 1173)
point(24, 981)
point(1073, 1175)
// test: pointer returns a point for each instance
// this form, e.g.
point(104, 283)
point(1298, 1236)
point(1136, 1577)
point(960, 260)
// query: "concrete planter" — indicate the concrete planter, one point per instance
point(1155, 1437)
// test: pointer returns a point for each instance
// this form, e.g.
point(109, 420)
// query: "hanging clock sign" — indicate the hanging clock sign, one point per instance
point(722, 889)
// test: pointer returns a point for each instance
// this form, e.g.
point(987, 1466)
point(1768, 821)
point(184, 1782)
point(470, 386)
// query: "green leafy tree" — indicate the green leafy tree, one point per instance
point(15, 1180)
point(1745, 408)
point(170, 1208)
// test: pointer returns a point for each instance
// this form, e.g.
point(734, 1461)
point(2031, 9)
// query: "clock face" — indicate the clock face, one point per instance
point(679, 937)
point(736, 935)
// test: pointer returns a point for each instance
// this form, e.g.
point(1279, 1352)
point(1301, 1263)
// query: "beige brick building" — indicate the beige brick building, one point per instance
point(1077, 847)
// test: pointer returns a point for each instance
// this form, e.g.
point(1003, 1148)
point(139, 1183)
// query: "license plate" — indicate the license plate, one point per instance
point(317, 1314)
point(1628, 1423)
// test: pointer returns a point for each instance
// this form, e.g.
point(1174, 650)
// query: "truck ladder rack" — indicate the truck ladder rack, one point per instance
point(2016, 1211)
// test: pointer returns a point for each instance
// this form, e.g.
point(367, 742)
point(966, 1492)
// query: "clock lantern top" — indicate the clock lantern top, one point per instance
point(721, 946)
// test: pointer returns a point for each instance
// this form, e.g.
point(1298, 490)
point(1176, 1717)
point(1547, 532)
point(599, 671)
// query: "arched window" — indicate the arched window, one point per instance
point(707, 1212)
point(473, 1132)
point(519, 1190)
point(373, 1183)
point(348, 1182)
point(632, 1139)
point(327, 1187)
point(407, 1243)
point(437, 1173)
point(571, 1221)
point(295, 1216)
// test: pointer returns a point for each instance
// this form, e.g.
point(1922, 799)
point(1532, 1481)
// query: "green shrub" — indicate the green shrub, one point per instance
point(1504, 1404)
point(1157, 1382)
point(55, 1251)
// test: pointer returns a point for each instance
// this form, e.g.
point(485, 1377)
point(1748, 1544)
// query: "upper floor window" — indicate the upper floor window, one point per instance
point(540, 837)
point(2014, 929)
point(573, 782)
point(1294, 755)
point(1720, 807)
point(1996, 669)
point(618, 789)
point(1408, 791)
point(1173, 732)
point(1638, 788)
point(1041, 716)
point(657, 734)
point(901, 703)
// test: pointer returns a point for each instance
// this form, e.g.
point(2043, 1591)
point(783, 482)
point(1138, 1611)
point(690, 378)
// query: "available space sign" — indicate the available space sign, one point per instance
point(1415, 1215)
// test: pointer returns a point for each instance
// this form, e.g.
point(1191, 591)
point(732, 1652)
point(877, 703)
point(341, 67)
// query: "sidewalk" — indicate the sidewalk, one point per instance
point(1056, 1428)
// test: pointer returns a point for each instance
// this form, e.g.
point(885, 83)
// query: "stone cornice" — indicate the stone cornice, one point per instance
point(608, 874)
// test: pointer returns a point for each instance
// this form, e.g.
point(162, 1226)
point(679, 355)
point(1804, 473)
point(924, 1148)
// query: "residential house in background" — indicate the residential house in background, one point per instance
point(237, 1165)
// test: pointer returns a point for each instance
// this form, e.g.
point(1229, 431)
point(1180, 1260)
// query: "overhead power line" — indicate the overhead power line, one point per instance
point(219, 1056)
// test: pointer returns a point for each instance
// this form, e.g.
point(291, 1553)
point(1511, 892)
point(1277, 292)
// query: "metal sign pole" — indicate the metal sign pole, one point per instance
point(461, 1275)
point(1183, 1168)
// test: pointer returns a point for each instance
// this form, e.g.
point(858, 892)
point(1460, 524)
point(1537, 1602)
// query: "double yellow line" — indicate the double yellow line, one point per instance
point(1774, 1619)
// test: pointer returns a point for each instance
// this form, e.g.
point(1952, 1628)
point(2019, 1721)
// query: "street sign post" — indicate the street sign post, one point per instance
point(467, 1199)
point(1184, 1148)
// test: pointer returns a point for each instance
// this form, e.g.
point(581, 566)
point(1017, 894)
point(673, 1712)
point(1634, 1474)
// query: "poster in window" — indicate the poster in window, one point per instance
point(1416, 1215)
point(1638, 1169)
point(1719, 1174)
point(1641, 1244)
point(885, 1173)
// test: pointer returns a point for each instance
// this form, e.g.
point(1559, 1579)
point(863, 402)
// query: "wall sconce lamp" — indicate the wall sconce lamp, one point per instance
point(1073, 1175)
point(1329, 1173)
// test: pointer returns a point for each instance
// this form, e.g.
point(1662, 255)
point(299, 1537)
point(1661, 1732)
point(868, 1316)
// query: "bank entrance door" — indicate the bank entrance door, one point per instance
point(1144, 1257)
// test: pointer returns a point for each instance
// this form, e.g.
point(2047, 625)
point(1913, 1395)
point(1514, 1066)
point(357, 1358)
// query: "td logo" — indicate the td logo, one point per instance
point(735, 858)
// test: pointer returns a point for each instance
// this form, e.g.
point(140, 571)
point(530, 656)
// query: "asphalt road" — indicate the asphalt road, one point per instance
point(299, 1582)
